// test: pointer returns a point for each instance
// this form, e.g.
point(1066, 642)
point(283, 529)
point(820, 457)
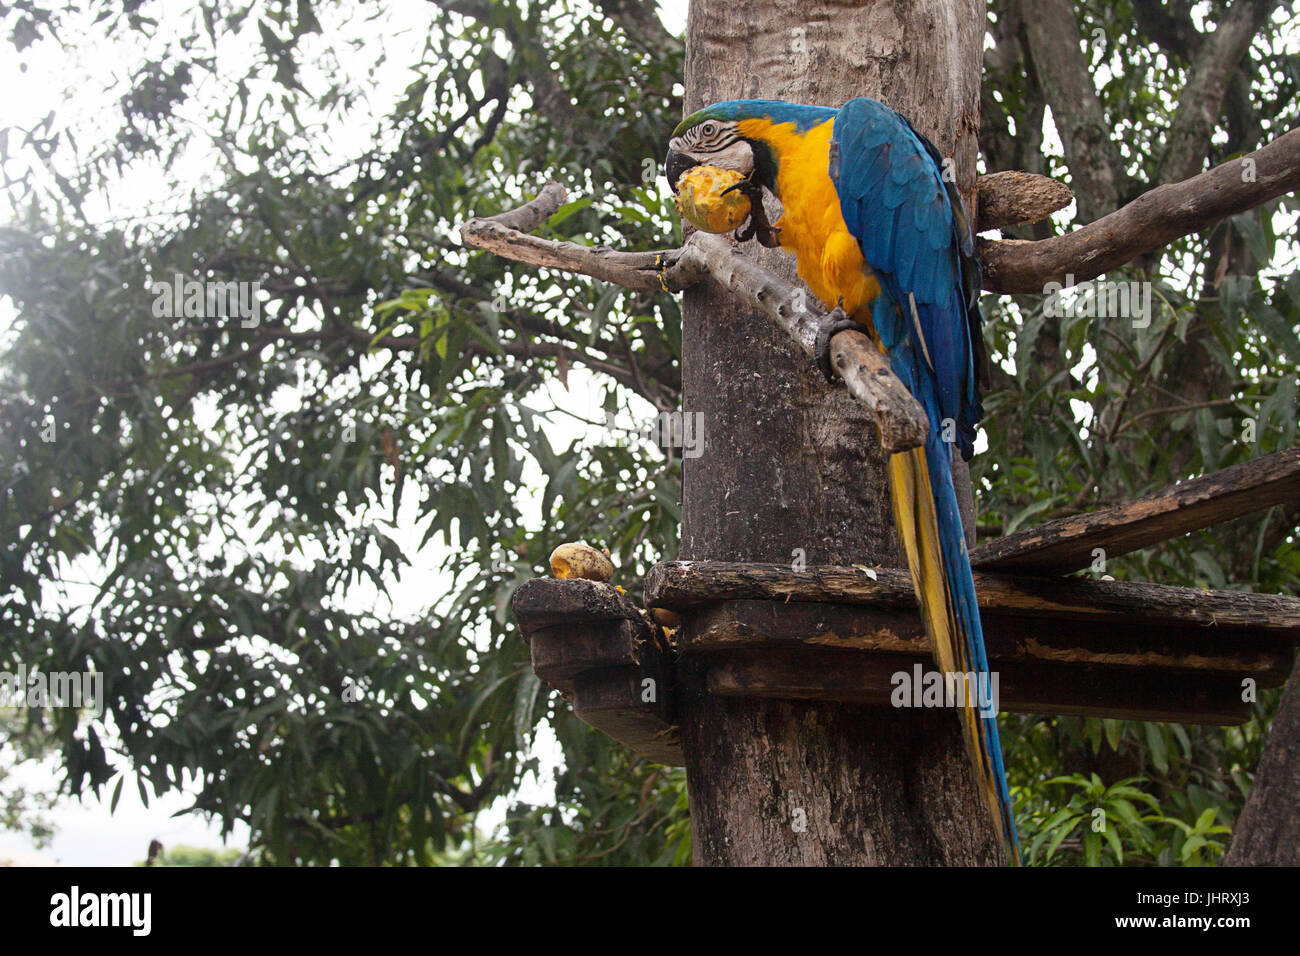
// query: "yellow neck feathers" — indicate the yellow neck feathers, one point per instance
point(828, 256)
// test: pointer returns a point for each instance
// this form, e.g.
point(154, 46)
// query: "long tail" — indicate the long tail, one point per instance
point(929, 526)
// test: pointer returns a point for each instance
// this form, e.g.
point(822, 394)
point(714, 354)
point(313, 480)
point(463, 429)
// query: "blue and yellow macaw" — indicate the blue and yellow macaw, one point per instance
point(882, 239)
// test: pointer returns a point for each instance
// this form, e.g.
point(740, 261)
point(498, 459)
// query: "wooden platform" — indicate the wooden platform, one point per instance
point(1058, 645)
point(1063, 646)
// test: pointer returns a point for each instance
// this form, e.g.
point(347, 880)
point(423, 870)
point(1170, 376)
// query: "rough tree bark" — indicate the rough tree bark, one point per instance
point(791, 466)
point(1268, 831)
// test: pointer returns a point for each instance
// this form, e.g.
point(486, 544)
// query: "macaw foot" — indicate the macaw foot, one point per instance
point(758, 227)
point(834, 322)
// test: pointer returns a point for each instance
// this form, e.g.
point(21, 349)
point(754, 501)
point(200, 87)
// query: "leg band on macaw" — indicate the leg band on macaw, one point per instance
point(832, 324)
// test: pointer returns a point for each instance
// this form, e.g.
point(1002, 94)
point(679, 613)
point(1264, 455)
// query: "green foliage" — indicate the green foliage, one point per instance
point(1098, 824)
point(640, 817)
point(239, 492)
point(1098, 818)
point(1088, 411)
point(24, 740)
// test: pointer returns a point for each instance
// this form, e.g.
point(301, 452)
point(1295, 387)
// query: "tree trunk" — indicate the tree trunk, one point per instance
point(1268, 831)
point(791, 467)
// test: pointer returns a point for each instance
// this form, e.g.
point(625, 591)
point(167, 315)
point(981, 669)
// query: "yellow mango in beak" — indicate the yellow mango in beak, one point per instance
point(701, 201)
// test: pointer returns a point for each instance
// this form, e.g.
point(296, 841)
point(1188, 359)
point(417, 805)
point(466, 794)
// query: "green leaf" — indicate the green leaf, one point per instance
point(1112, 837)
point(1092, 848)
point(1059, 835)
point(1114, 732)
point(568, 209)
point(1156, 742)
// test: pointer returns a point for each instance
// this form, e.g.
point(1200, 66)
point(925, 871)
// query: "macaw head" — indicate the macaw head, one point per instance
point(730, 135)
point(709, 137)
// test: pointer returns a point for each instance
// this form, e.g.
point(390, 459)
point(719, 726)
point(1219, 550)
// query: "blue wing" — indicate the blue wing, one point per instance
point(915, 237)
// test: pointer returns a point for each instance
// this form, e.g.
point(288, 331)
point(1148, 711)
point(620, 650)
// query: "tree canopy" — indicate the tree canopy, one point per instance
point(210, 509)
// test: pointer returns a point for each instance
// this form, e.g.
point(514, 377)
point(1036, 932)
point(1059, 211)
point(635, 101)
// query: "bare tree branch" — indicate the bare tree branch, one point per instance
point(1152, 220)
point(1004, 199)
point(359, 340)
point(639, 20)
point(504, 235)
point(1208, 77)
point(864, 369)
point(1268, 831)
point(1168, 22)
point(533, 213)
point(1065, 77)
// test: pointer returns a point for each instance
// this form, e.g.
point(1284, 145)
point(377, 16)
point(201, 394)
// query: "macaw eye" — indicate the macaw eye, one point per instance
point(709, 129)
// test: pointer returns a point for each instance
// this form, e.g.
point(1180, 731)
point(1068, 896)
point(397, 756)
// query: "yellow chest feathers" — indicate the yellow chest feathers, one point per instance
point(827, 255)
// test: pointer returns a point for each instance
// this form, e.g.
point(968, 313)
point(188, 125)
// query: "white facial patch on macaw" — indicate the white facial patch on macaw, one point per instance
point(738, 156)
point(716, 144)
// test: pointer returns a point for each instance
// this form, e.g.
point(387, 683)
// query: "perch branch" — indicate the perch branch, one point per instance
point(507, 236)
point(1005, 199)
point(1149, 222)
point(865, 371)
point(863, 367)
point(1154, 219)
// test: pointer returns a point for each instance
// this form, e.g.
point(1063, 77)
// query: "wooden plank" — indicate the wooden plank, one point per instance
point(806, 673)
point(614, 702)
point(1068, 544)
point(1117, 601)
point(561, 652)
point(545, 601)
point(679, 585)
point(1059, 646)
point(764, 625)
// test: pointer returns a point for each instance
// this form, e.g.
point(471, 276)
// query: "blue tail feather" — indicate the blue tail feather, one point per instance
point(961, 590)
point(912, 368)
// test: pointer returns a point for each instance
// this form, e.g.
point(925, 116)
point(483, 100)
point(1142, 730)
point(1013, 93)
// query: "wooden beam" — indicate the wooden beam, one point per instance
point(679, 585)
point(1068, 544)
point(545, 601)
point(562, 652)
point(810, 673)
point(1119, 646)
point(614, 703)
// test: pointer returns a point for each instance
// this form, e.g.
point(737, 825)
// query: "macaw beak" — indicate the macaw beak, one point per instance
point(675, 164)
